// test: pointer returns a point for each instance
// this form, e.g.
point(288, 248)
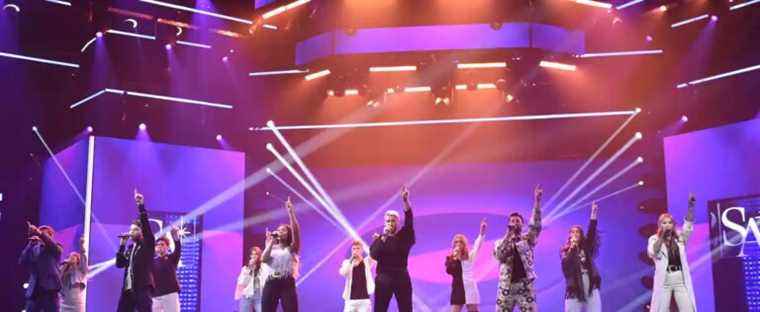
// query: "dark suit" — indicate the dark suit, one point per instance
point(41, 258)
point(138, 296)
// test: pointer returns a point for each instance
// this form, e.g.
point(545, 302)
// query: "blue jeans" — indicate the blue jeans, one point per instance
point(252, 304)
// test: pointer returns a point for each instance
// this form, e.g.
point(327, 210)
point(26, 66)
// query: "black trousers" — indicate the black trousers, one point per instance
point(279, 291)
point(42, 301)
point(138, 300)
point(388, 284)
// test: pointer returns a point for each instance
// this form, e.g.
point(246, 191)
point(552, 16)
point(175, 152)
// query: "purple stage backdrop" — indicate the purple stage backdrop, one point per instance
point(174, 179)
point(453, 198)
point(714, 164)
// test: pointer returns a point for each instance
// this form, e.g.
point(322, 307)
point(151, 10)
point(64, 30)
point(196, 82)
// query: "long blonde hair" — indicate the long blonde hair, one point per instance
point(465, 251)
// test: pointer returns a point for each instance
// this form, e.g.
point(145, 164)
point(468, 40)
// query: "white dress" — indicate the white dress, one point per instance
point(471, 293)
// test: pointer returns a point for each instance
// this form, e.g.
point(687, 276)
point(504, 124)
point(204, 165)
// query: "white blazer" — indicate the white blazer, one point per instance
point(661, 265)
point(346, 269)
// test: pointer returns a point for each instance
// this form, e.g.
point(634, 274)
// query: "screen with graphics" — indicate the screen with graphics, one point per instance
point(734, 236)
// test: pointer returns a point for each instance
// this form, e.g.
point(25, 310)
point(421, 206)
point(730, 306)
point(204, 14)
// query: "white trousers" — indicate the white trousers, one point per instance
point(674, 286)
point(166, 303)
point(359, 305)
point(593, 299)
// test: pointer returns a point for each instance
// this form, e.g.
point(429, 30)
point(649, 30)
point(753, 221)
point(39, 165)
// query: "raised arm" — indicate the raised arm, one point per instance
point(177, 254)
point(82, 256)
point(592, 239)
point(149, 240)
point(408, 229)
point(534, 228)
point(478, 240)
point(688, 224)
point(295, 245)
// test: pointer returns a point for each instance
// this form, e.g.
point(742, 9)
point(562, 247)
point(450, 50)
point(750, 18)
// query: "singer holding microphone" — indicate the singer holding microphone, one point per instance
point(672, 277)
point(41, 257)
point(359, 283)
point(582, 280)
point(137, 261)
point(514, 253)
point(461, 265)
point(74, 279)
point(281, 257)
point(391, 250)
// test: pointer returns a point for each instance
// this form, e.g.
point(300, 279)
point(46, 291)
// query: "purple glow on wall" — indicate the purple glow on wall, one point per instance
point(448, 37)
point(714, 164)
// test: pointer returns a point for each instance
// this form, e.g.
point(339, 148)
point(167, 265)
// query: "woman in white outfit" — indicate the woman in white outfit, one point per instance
point(460, 265)
point(250, 283)
point(73, 280)
point(671, 275)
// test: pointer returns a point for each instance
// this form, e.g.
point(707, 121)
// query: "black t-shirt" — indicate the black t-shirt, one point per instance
point(359, 283)
point(518, 270)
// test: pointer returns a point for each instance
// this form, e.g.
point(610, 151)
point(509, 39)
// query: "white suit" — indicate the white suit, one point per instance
point(346, 269)
point(660, 298)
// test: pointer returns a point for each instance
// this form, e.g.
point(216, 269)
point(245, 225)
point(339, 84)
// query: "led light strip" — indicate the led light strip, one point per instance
point(741, 5)
point(151, 96)
point(66, 3)
point(596, 4)
point(691, 20)
point(283, 9)
point(207, 13)
point(278, 72)
point(88, 44)
point(193, 44)
point(316, 75)
point(555, 65)
point(481, 65)
point(386, 69)
point(450, 121)
point(719, 76)
point(130, 34)
point(621, 53)
point(38, 60)
point(629, 3)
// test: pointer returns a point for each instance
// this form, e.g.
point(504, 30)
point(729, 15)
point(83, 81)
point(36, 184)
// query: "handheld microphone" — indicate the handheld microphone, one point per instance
point(124, 235)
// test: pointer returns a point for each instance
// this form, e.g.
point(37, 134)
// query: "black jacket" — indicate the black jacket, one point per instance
point(571, 265)
point(165, 271)
point(143, 258)
point(41, 258)
point(393, 253)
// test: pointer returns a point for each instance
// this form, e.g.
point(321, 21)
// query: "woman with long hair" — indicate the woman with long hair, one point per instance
point(281, 257)
point(672, 277)
point(74, 279)
point(459, 264)
point(250, 283)
point(582, 280)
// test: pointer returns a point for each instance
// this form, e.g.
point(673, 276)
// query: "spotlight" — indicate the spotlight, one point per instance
point(330, 93)
point(641, 183)
point(251, 128)
point(442, 100)
point(25, 285)
point(168, 46)
point(509, 98)
point(663, 8)
point(640, 159)
point(90, 129)
point(232, 51)
point(34, 128)
point(684, 118)
point(99, 34)
point(714, 18)
point(373, 103)
point(649, 38)
point(142, 126)
point(218, 137)
point(639, 136)
point(225, 59)
point(638, 110)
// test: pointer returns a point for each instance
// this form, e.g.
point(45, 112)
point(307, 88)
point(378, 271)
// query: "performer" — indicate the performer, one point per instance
point(137, 261)
point(250, 283)
point(359, 282)
point(281, 256)
point(515, 255)
point(391, 250)
point(460, 264)
point(166, 293)
point(74, 280)
point(671, 275)
point(582, 280)
point(41, 257)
